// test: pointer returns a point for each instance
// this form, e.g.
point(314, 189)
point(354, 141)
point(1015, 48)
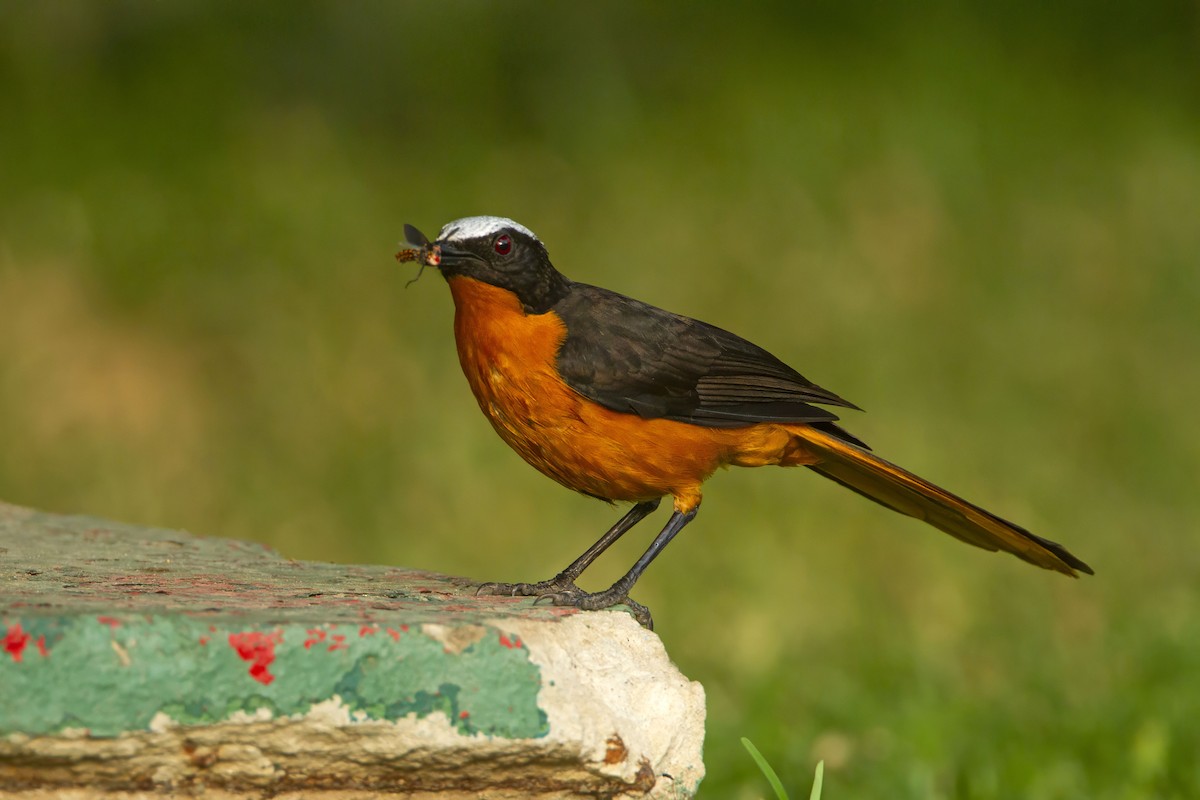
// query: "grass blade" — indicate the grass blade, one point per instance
point(818, 779)
point(771, 777)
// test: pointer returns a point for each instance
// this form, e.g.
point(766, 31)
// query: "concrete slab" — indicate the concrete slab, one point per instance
point(146, 660)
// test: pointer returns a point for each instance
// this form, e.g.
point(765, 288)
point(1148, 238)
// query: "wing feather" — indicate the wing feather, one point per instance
point(636, 358)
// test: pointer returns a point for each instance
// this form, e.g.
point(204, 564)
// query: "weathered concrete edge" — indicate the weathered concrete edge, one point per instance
point(621, 676)
point(596, 698)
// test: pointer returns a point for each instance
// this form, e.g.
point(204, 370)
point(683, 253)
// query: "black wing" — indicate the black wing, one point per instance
point(632, 357)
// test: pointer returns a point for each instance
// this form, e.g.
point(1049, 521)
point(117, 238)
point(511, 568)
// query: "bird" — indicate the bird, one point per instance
point(623, 401)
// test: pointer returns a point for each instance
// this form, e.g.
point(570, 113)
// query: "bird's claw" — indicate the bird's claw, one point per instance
point(555, 585)
point(562, 591)
point(594, 601)
point(568, 596)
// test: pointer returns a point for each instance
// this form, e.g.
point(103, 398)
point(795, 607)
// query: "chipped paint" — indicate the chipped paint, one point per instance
point(120, 623)
point(259, 649)
point(111, 680)
point(15, 640)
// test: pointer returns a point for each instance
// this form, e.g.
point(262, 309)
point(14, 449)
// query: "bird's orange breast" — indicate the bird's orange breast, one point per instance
point(509, 358)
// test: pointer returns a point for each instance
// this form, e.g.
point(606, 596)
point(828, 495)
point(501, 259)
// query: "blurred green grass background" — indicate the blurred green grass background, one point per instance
point(979, 222)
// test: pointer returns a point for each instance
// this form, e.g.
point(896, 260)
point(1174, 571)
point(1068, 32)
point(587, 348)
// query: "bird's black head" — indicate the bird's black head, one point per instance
point(503, 253)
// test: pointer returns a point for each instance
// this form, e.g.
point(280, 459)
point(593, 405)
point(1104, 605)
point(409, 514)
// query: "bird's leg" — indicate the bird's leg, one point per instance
point(619, 591)
point(564, 582)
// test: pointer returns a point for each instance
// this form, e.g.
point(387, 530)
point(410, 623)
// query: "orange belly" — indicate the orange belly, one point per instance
point(509, 360)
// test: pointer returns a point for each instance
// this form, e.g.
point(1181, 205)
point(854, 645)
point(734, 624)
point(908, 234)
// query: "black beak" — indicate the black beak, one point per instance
point(453, 253)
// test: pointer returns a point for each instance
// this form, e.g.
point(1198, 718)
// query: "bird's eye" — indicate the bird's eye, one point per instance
point(503, 244)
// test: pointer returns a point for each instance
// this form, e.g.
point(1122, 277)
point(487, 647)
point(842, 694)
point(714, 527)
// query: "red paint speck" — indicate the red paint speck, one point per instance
point(395, 634)
point(512, 643)
point(203, 640)
point(367, 630)
point(212, 628)
point(41, 646)
point(259, 649)
point(315, 636)
point(111, 622)
point(404, 628)
point(339, 643)
point(15, 640)
point(464, 714)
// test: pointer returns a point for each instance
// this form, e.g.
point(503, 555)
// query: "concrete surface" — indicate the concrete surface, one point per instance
point(139, 661)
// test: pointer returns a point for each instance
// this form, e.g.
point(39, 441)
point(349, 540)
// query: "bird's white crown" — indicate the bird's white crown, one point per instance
point(466, 228)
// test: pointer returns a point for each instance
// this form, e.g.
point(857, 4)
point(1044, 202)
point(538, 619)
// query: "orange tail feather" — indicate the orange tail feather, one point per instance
point(902, 491)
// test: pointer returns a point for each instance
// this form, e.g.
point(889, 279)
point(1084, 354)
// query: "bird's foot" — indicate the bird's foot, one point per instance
point(562, 591)
point(575, 597)
point(557, 585)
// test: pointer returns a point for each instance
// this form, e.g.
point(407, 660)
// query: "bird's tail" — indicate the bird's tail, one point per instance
point(900, 490)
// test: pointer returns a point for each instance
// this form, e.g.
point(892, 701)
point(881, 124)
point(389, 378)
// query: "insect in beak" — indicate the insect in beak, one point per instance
point(426, 253)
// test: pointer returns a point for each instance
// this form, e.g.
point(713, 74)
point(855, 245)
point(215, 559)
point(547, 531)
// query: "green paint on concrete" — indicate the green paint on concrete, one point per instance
point(104, 626)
